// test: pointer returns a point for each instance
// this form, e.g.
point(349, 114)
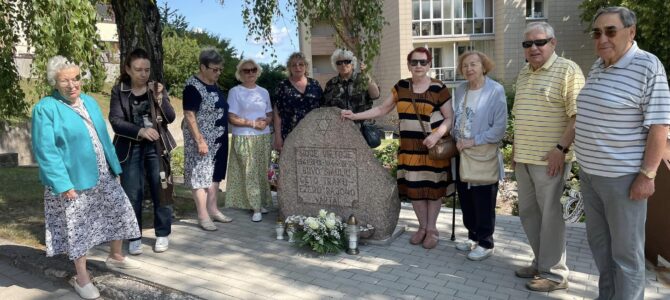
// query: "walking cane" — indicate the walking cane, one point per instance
point(453, 201)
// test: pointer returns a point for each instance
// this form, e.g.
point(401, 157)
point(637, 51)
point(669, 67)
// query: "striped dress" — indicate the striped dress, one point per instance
point(419, 177)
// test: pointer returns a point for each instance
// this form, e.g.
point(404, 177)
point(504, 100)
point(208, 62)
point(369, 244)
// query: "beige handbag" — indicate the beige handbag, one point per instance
point(479, 164)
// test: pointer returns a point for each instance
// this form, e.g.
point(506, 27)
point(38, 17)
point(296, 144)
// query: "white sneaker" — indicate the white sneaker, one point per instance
point(88, 291)
point(480, 253)
point(257, 217)
point(264, 210)
point(162, 243)
point(467, 245)
point(135, 247)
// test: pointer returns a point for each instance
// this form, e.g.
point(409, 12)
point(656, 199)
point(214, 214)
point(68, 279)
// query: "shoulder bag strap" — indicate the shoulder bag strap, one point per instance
point(463, 113)
point(418, 116)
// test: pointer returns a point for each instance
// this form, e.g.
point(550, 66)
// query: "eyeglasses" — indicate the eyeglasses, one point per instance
point(415, 62)
point(66, 82)
point(295, 65)
point(250, 71)
point(610, 32)
point(538, 43)
point(216, 70)
point(343, 62)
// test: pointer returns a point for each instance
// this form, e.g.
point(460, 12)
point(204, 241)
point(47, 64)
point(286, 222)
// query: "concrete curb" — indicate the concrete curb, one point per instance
point(59, 269)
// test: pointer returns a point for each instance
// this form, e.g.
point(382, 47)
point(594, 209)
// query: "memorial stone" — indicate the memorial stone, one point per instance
point(326, 164)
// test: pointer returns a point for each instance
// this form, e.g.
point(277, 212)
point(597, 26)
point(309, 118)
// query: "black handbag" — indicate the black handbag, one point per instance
point(372, 134)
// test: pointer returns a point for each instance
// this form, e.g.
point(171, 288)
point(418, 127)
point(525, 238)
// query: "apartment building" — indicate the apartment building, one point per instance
point(450, 27)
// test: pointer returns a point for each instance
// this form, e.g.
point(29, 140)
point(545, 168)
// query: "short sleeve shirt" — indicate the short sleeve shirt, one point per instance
point(545, 101)
point(249, 104)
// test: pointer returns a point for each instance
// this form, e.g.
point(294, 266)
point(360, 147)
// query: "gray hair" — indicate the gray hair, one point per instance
point(294, 57)
point(543, 26)
point(343, 54)
point(209, 55)
point(238, 70)
point(55, 65)
point(627, 16)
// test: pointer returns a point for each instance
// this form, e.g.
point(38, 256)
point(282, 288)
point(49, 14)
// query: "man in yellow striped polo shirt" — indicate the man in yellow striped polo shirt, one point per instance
point(544, 128)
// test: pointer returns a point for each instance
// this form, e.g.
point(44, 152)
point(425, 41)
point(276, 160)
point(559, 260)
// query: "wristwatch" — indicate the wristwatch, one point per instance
point(648, 174)
point(562, 149)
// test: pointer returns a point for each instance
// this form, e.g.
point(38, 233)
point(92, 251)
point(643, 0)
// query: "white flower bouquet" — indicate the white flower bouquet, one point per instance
point(323, 233)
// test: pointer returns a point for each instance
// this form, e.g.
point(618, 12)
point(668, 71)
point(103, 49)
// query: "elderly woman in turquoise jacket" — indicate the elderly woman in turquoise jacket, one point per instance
point(480, 107)
point(84, 205)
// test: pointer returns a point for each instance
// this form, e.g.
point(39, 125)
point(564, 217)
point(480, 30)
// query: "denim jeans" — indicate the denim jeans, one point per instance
point(142, 163)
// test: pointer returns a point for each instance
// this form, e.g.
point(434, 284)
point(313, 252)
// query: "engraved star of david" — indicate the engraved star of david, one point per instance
point(323, 124)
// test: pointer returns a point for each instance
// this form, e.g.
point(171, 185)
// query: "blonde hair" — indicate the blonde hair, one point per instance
point(487, 63)
point(295, 56)
point(238, 69)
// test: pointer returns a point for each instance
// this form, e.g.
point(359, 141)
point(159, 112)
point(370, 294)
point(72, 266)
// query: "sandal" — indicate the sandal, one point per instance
point(418, 236)
point(432, 236)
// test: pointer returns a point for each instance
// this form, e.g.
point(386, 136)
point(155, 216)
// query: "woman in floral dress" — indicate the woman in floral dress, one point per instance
point(84, 205)
point(294, 98)
point(205, 130)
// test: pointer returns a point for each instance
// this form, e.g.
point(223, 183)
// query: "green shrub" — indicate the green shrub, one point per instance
point(177, 161)
point(388, 156)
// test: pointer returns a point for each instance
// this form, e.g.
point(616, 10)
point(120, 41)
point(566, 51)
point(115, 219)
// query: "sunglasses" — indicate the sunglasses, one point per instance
point(538, 43)
point(250, 71)
point(343, 62)
point(610, 32)
point(416, 62)
point(216, 70)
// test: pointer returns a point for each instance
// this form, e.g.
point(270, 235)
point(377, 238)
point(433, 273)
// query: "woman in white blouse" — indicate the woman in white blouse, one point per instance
point(250, 115)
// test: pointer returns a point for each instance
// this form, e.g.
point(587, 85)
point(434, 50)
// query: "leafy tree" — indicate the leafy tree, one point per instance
point(271, 77)
point(11, 95)
point(653, 21)
point(358, 23)
point(64, 27)
point(181, 56)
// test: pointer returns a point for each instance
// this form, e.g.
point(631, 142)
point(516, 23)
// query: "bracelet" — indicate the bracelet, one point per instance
point(648, 174)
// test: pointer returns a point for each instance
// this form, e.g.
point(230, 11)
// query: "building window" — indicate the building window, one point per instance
point(535, 9)
point(451, 17)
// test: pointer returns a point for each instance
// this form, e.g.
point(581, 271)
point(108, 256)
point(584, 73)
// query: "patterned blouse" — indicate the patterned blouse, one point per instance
point(292, 105)
point(349, 93)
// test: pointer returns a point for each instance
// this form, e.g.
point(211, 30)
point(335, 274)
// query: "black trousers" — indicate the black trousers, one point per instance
point(478, 204)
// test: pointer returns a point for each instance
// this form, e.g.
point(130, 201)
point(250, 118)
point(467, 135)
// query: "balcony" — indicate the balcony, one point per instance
point(447, 75)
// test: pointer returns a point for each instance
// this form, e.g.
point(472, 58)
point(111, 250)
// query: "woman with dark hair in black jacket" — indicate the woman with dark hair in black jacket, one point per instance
point(135, 138)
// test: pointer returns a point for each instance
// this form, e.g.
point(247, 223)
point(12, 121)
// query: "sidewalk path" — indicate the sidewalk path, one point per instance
point(243, 260)
point(16, 284)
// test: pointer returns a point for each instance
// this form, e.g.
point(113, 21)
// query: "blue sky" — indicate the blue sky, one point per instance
point(226, 21)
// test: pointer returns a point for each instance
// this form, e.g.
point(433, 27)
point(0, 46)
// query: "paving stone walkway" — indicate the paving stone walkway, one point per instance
point(243, 260)
point(17, 284)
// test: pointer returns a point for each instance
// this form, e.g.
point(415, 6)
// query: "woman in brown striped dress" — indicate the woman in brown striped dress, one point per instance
point(420, 179)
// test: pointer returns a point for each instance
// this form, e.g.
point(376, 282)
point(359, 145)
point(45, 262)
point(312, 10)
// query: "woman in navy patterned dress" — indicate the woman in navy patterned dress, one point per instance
point(205, 130)
point(294, 98)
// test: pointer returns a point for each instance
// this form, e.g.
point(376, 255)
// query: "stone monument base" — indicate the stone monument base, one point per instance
point(398, 231)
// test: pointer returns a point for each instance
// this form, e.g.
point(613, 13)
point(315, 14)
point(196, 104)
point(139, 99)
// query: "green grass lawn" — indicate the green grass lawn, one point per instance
point(22, 206)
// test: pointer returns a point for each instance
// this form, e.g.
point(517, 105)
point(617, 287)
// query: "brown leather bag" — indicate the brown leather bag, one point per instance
point(163, 148)
point(445, 148)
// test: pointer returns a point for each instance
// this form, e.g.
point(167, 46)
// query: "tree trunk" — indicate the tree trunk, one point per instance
point(138, 26)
